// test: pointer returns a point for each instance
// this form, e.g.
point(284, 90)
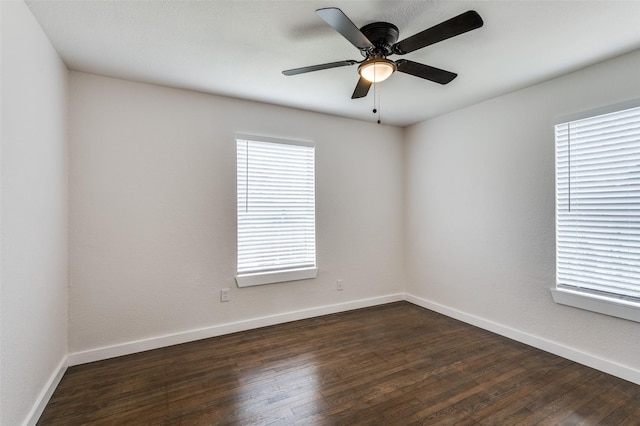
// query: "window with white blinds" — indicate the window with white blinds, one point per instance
point(598, 205)
point(275, 211)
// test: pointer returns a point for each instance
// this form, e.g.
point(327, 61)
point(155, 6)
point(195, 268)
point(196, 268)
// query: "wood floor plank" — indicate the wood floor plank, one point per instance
point(395, 364)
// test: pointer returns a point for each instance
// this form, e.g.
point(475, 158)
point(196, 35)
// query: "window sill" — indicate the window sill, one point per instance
point(605, 305)
point(248, 280)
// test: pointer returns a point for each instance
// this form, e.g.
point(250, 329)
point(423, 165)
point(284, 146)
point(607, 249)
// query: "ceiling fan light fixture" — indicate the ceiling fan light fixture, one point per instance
point(377, 69)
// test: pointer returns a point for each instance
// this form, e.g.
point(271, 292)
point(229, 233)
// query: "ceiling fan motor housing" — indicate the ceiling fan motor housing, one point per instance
point(383, 35)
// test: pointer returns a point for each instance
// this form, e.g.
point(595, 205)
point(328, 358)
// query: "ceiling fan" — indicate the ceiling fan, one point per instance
point(378, 40)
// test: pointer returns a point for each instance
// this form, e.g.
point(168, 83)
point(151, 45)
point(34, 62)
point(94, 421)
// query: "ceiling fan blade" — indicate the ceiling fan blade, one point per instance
point(362, 88)
point(460, 24)
point(303, 70)
point(342, 24)
point(425, 71)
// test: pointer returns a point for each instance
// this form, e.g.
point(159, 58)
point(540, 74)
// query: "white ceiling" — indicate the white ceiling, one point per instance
point(239, 48)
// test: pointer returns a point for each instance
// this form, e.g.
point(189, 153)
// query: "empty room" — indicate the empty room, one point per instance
point(313, 212)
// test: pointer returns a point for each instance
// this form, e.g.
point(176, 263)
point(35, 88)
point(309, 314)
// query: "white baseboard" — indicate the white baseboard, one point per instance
point(555, 348)
point(219, 330)
point(45, 394)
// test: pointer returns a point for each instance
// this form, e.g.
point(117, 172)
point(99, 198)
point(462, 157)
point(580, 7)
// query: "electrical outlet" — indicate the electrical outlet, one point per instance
point(339, 285)
point(224, 295)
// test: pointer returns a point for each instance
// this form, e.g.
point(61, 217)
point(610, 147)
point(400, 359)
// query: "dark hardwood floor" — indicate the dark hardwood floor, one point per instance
point(396, 364)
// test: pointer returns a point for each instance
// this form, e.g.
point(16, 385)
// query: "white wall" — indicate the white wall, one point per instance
point(480, 215)
point(34, 213)
point(152, 211)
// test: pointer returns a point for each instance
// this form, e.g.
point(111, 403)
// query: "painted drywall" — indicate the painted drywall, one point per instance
point(152, 211)
point(480, 235)
point(34, 213)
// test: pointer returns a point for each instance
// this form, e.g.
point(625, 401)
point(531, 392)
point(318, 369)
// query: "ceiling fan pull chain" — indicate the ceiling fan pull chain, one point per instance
point(374, 91)
point(375, 95)
point(376, 100)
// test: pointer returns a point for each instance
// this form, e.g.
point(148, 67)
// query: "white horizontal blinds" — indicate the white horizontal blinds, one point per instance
point(598, 204)
point(276, 207)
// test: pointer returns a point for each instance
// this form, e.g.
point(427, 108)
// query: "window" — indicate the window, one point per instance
point(598, 213)
point(275, 211)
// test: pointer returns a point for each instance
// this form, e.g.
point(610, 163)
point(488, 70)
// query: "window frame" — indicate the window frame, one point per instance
point(618, 306)
point(247, 279)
